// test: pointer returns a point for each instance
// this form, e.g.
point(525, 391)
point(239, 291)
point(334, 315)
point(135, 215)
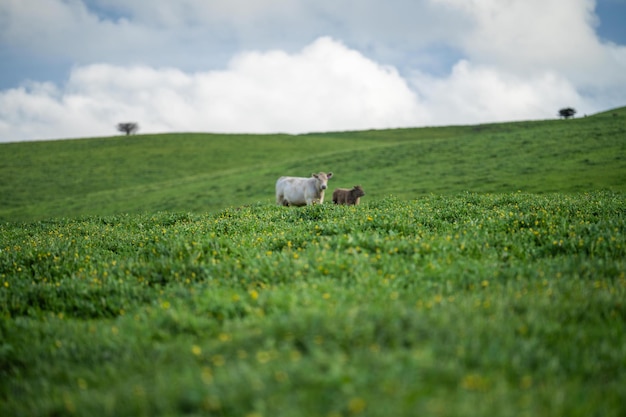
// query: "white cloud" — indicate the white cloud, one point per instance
point(528, 37)
point(199, 35)
point(326, 86)
point(477, 94)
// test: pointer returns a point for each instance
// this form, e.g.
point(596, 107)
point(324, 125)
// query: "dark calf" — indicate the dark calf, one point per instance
point(348, 196)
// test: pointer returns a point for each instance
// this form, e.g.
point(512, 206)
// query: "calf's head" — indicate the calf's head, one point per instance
point(357, 191)
point(322, 179)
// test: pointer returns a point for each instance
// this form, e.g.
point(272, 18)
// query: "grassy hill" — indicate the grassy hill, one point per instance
point(206, 172)
point(164, 281)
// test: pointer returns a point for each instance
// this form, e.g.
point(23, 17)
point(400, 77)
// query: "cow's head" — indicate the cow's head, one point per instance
point(322, 179)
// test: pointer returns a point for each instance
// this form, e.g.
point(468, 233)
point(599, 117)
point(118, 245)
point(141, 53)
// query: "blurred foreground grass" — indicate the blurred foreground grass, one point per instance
point(482, 305)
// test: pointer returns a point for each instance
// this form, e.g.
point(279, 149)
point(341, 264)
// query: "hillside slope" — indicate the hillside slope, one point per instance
point(204, 172)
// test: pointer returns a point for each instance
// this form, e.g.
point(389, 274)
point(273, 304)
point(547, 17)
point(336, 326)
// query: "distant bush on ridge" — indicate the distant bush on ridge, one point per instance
point(567, 112)
point(129, 128)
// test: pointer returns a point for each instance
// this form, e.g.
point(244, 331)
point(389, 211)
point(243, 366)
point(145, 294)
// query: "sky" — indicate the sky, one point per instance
point(77, 68)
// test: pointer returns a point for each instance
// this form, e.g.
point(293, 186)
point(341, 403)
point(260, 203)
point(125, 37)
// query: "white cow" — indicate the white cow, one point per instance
point(300, 191)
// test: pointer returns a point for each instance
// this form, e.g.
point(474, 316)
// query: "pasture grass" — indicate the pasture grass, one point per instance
point(504, 304)
point(193, 172)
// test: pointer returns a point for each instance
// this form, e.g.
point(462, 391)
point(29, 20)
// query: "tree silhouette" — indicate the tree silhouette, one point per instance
point(567, 112)
point(128, 128)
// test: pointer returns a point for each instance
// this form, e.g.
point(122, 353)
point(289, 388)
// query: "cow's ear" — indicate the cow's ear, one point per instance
point(329, 175)
point(315, 175)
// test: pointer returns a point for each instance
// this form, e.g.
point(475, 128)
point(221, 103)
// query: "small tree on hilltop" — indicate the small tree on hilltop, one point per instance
point(128, 128)
point(567, 112)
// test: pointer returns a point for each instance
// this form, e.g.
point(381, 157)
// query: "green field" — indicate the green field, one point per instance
point(203, 172)
point(484, 274)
